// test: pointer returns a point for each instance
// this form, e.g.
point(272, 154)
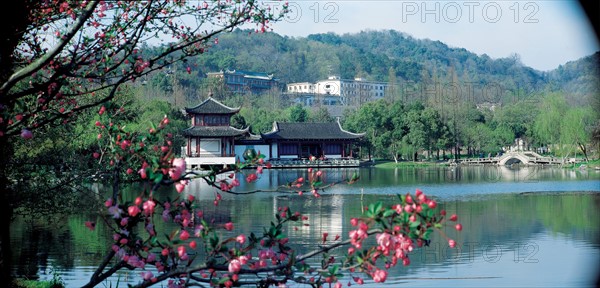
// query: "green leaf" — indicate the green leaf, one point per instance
point(378, 207)
point(388, 213)
point(158, 178)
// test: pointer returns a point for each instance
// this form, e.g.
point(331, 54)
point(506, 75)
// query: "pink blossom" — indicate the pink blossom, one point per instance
point(124, 221)
point(142, 173)
point(359, 280)
point(108, 202)
point(182, 253)
point(184, 235)
point(418, 192)
point(453, 217)
point(147, 275)
point(178, 169)
point(385, 242)
point(412, 218)
point(149, 207)
point(244, 259)
point(179, 187)
point(228, 226)
point(133, 210)
point(234, 266)
point(224, 186)
point(451, 243)
point(432, 204)
point(251, 177)
point(241, 239)
point(379, 275)
point(458, 227)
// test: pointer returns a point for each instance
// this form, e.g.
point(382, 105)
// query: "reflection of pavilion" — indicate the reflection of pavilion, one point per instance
point(321, 218)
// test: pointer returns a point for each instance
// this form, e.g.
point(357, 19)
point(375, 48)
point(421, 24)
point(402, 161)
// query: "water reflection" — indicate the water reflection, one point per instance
point(509, 239)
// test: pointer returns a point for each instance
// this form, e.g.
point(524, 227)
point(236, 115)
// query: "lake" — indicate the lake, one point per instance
point(527, 226)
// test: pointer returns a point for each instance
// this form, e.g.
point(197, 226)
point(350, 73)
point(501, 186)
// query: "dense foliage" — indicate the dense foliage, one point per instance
point(391, 56)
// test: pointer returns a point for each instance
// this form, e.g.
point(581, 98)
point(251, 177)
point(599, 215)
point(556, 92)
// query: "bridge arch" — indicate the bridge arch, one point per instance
point(513, 156)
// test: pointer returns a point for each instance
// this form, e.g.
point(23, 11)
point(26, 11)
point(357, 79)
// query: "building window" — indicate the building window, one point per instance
point(333, 149)
point(288, 149)
point(224, 120)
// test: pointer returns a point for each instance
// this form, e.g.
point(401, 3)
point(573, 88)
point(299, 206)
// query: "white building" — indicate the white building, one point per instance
point(347, 91)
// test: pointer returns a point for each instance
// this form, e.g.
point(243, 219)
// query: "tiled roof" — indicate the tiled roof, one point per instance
point(250, 139)
point(211, 106)
point(317, 131)
point(214, 131)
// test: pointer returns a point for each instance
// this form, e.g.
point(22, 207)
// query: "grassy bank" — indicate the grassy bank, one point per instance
point(26, 283)
point(592, 164)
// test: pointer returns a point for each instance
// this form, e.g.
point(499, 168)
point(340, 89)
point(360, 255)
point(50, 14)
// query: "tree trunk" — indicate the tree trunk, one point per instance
point(584, 150)
point(5, 214)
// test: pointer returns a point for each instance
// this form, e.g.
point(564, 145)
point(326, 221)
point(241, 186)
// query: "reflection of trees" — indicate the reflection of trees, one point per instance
point(502, 220)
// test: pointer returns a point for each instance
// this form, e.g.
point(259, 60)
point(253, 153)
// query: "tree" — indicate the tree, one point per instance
point(577, 128)
point(59, 58)
point(96, 53)
point(320, 114)
point(298, 113)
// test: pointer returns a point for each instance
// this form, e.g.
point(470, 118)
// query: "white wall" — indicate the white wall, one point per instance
point(210, 147)
point(190, 161)
point(333, 156)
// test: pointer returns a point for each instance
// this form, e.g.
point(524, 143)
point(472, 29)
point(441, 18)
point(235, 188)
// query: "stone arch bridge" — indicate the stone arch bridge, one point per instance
point(513, 157)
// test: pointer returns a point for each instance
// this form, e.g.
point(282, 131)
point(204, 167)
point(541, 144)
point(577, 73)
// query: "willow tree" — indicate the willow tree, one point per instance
point(60, 57)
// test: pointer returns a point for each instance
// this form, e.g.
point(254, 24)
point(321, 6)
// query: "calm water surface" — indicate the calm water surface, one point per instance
point(532, 226)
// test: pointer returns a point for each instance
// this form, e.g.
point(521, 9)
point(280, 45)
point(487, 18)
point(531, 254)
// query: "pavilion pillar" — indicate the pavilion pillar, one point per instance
point(198, 146)
point(189, 147)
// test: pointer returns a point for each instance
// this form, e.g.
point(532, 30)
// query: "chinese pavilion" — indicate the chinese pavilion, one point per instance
point(211, 139)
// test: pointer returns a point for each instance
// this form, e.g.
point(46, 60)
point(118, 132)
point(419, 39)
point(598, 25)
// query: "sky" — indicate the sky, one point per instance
point(545, 34)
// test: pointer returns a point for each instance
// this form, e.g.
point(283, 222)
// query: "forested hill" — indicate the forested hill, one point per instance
point(389, 56)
